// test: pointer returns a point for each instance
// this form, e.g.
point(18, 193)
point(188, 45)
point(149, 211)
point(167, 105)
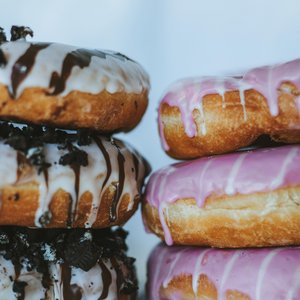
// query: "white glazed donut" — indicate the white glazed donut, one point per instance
point(50, 178)
point(71, 87)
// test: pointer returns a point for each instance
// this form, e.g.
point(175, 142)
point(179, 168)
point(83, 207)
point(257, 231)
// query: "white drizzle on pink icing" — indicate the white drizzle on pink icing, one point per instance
point(187, 94)
point(197, 271)
point(273, 272)
point(295, 285)
point(262, 272)
point(236, 173)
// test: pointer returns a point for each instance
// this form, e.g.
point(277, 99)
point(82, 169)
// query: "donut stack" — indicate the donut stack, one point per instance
point(63, 189)
point(244, 199)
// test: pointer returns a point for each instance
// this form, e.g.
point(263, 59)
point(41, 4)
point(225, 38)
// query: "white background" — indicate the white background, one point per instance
point(171, 39)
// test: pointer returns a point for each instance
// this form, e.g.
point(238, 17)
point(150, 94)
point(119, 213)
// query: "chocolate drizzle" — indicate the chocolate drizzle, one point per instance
point(3, 60)
point(81, 58)
point(24, 64)
point(136, 166)
point(19, 289)
point(106, 279)
point(34, 249)
point(118, 185)
point(70, 291)
point(107, 160)
point(75, 158)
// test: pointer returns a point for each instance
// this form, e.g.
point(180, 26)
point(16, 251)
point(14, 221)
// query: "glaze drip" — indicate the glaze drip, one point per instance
point(81, 58)
point(70, 291)
point(106, 279)
point(23, 66)
point(118, 186)
point(107, 160)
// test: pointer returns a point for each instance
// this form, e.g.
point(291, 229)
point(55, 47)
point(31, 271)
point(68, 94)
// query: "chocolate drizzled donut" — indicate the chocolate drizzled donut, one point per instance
point(37, 251)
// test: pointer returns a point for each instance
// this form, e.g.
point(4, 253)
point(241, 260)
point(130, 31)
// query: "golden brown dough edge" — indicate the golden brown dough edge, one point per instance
point(182, 285)
point(226, 128)
point(254, 220)
point(103, 112)
point(19, 204)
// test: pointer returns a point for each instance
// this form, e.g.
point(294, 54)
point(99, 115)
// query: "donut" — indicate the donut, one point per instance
point(65, 264)
point(242, 199)
point(214, 115)
point(70, 87)
point(206, 273)
point(51, 178)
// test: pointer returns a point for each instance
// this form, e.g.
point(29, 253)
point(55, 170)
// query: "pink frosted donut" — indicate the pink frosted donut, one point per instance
point(245, 199)
point(179, 273)
point(213, 115)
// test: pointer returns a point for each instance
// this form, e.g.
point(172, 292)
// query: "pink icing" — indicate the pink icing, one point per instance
point(261, 274)
point(236, 173)
point(187, 94)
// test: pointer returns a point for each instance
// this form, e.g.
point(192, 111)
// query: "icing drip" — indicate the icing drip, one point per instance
point(119, 187)
point(23, 66)
point(106, 279)
point(271, 273)
point(244, 173)
point(188, 94)
point(60, 69)
point(197, 271)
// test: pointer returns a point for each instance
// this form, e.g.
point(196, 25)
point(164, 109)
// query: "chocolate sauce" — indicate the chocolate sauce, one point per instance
point(106, 280)
point(24, 64)
point(76, 170)
point(136, 166)
point(107, 159)
point(18, 286)
point(19, 289)
point(46, 281)
point(81, 58)
point(3, 60)
point(119, 187)
point(70, 291)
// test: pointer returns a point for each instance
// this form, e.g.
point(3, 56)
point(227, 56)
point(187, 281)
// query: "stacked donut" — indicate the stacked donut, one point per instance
point(64, 181)
point(246, 198)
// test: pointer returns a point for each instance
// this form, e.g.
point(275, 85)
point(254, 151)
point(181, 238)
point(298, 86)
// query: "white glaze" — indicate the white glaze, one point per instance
point(101, 74)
